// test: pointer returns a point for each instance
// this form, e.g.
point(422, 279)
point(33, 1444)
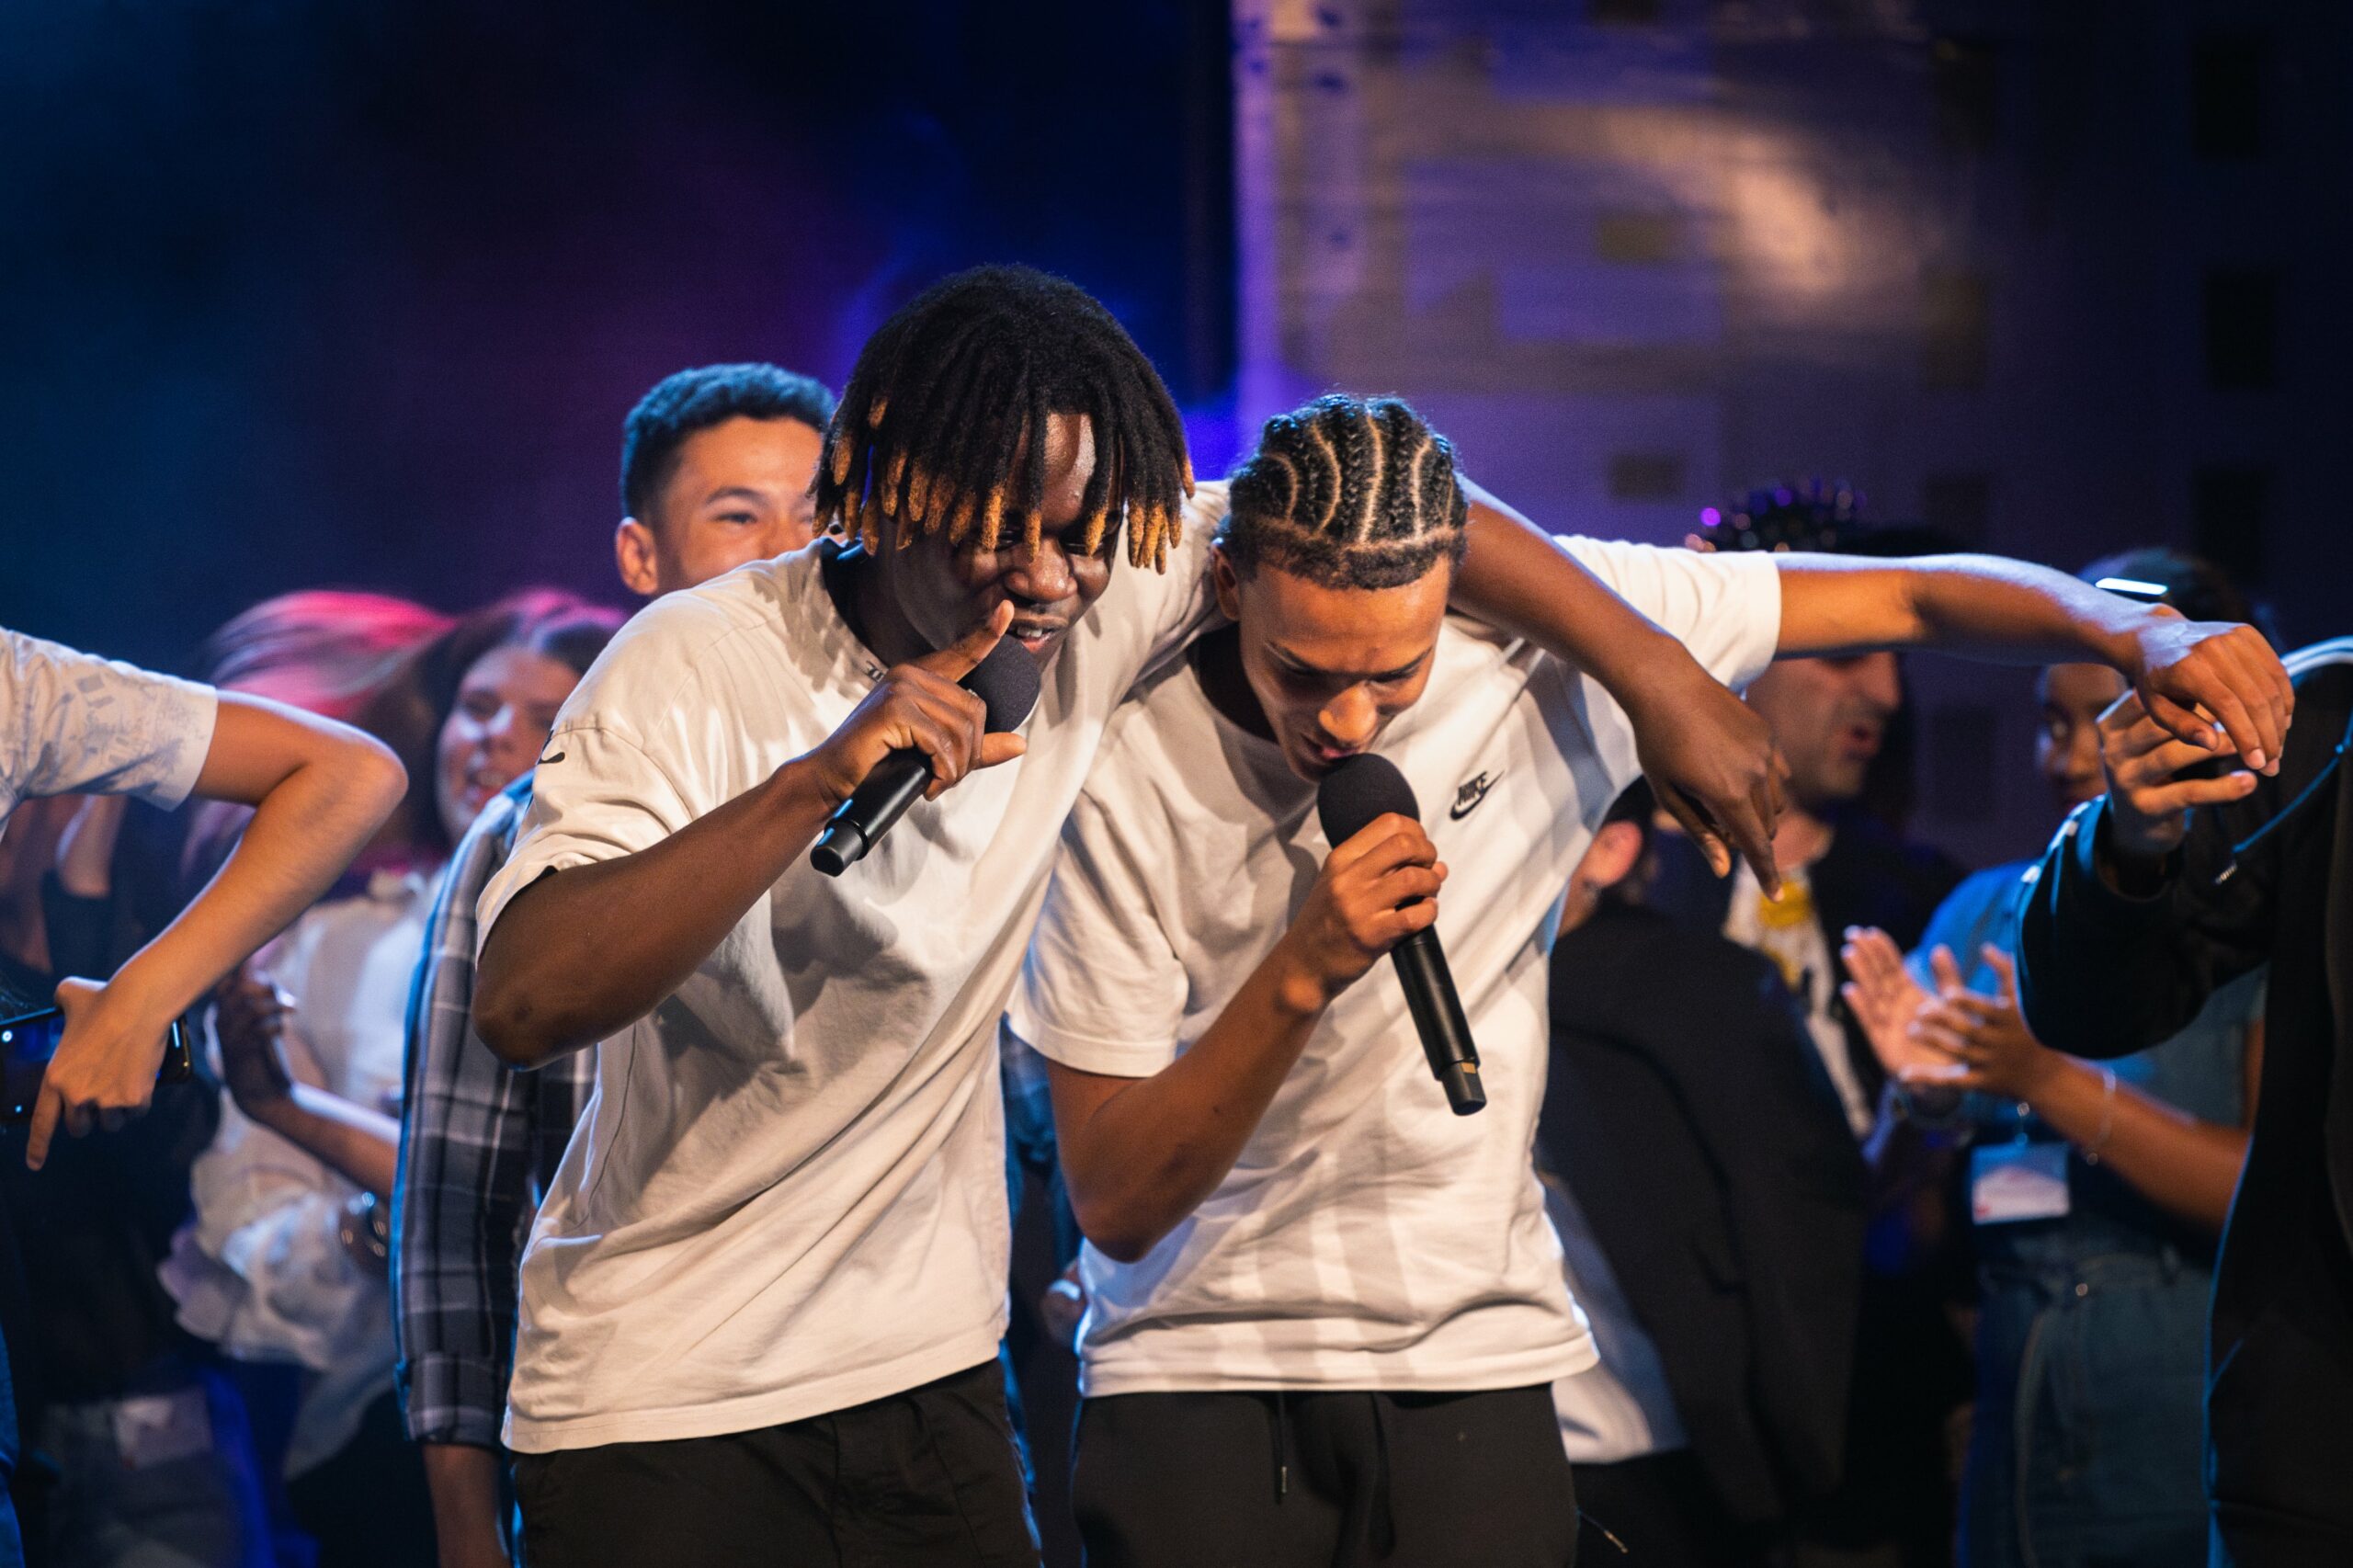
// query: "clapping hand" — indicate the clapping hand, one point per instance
point(1885, 999)
point(1949, 1038)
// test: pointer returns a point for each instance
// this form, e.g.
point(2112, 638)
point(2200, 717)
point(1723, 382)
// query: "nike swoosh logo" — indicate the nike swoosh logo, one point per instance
point(1467, 798)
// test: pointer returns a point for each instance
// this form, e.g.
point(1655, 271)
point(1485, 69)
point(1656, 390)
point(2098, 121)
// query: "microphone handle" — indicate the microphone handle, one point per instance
point(1437, 1019)
point(897, 782)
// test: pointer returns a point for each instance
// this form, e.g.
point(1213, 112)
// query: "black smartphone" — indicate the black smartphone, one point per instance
point(27, 1042)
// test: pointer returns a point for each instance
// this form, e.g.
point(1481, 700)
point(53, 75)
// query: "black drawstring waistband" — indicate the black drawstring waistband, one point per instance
point(1282, 1449)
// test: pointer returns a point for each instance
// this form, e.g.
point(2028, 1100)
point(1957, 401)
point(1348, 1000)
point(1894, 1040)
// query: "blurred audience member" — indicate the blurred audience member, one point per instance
point(137, 1478)
point(716, 468)
point(1711, 1204)
point(2097, 1191)
point(285, 1258)
point(97, 1223)
point(2150, 906)
point(1842, 866)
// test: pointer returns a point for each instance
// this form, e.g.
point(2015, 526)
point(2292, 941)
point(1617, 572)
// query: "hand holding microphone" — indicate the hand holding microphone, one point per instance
point(924, 726)
point(1381, 886)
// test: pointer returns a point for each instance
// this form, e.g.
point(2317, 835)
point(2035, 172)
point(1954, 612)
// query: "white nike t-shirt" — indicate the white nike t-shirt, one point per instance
point(1367, 1238)
point(786, 1195)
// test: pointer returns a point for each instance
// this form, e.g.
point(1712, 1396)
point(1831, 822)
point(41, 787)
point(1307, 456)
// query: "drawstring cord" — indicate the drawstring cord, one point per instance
point(1282, 1449)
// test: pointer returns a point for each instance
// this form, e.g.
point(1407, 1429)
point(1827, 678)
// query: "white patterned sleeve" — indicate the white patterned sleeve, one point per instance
point(74, 724)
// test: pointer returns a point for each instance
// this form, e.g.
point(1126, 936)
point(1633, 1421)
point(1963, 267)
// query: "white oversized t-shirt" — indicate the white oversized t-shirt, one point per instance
point(1367, 1238)
point(72, 724)
point(786, 1195)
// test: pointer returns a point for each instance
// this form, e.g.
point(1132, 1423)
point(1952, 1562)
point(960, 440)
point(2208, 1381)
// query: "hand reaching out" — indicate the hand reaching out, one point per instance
point(2213, 685)
point(2148, 800)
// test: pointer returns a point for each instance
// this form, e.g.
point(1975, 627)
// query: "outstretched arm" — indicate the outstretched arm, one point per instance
point(319, 791)
point(2192, 675)
point(1709, 757)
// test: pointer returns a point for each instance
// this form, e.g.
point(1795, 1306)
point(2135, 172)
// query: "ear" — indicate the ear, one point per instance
point(1611, 858)
point(1226, 582)
point(633, 555)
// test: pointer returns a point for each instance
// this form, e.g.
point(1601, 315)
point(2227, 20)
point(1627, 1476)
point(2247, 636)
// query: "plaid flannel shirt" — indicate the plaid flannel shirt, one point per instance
point(478, 1143)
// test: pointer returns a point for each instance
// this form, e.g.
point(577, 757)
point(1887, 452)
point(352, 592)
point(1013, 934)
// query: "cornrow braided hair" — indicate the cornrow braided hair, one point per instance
point(943, 428)
point(1349, 494)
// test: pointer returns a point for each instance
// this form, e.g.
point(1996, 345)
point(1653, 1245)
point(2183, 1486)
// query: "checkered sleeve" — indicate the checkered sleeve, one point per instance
point(473, 1137)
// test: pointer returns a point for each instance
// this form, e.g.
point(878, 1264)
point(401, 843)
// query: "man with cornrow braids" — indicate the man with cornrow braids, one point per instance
point(1324, 1312)
point(762, 1297)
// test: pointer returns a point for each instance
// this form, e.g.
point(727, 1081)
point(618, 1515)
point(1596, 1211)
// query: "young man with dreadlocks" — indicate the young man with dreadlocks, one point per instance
point(763, 1295)
point(1323, 1310)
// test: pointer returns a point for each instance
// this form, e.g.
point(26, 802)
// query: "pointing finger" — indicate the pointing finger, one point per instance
point(963, 656)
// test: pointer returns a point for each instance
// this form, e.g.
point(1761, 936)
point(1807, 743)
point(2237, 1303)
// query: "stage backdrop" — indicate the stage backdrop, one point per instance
point(2055, 278)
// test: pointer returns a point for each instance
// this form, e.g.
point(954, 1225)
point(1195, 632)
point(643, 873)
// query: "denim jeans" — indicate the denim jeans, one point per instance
point(164, 1479)
point(2087, 1448)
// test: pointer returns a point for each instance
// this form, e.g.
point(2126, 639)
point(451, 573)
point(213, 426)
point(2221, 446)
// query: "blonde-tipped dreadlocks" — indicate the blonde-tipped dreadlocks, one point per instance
point(1348, 494)
point(943, 428)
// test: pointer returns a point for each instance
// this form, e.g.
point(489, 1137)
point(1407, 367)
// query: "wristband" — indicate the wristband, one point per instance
point(2106, 1114)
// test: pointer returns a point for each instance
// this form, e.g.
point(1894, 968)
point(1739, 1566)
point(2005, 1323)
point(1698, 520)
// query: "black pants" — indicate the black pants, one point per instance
point(1662, 1510)
point(1323, 1480)
point(924, 1479)
point(2279, 1413)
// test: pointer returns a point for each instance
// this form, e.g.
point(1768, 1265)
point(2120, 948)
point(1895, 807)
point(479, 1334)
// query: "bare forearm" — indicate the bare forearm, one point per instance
point(361, 1146)
point(582, 953)
point(2018, 613)
point(463, 1481)
point(1151, 1152)
point(303, 832)
point(1980, 606)
point(2183, 1166)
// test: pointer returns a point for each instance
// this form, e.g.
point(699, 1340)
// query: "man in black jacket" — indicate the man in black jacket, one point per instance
point(1841, 865)
point(1705, 1160)
point(2146, 901)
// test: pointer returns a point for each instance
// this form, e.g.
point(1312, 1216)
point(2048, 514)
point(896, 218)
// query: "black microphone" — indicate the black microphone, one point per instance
point(1352, 794)
point(1006, 683)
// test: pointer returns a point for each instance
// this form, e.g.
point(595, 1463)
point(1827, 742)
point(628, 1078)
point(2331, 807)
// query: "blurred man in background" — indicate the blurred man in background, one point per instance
point(716, 467)
point(1841, 865)
point(1711, 1204)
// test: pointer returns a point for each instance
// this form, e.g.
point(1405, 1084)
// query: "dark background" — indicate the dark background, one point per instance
point(359, 293)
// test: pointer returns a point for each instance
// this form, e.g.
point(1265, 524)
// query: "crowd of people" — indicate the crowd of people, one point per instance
point(574, 1174)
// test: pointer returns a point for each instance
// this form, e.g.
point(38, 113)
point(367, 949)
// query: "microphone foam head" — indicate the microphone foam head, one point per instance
point(1358, 791)
point(1006, 683)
